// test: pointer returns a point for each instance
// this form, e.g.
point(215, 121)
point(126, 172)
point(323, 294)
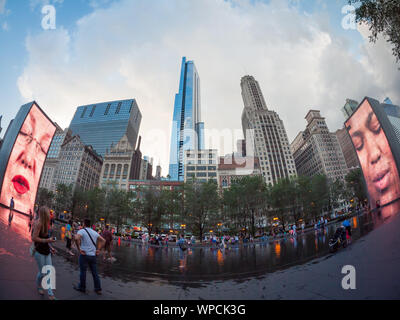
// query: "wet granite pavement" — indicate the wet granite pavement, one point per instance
point(375, 256)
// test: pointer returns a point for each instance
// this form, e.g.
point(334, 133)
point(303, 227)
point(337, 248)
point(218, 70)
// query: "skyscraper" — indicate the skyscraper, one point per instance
point(103, 125)
point(317, 151)
point(265, 134)
point(349, 107)
point(187, 128)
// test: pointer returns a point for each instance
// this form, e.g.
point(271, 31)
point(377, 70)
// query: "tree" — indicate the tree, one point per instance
point(95, 201)
point(202, 205)
point(382, 16)
point(245, 203)
point(356, 185)
point(44, 197)
point(63, 198)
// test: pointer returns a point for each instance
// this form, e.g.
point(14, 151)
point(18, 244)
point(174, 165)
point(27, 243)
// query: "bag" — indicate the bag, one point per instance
point(95, 247)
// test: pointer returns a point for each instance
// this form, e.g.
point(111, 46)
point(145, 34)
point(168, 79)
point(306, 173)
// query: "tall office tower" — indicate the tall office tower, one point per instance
point(349, 153)
point(349, 107)
point(136, 162)
point(187, 128)
point(158, 173)
point(317, 151)
point(79, 165)
point(265, 134)
point(104, 124)
point(47, 179)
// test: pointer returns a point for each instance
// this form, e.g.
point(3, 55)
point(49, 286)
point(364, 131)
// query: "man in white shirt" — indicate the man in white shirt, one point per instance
point(89, 243)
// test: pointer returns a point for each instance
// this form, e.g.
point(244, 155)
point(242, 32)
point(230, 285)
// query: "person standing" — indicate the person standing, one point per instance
point(11, 214)
point(68, 237)
point(107, 248)
point(43, 249)
point(89, 243)
point(30, 220)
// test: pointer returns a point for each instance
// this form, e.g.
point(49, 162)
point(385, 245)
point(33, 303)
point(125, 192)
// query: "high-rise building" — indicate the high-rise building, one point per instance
point(47, 179)
point(349, 107)
point(104, 124)
point(136, 162)
point(233, 168)
point(317, 151)
point(79, 165)
point(201, 165)
point(349, 153)
point(265, 134)
point(158, 173)
point(187, 128)
point(117, 165)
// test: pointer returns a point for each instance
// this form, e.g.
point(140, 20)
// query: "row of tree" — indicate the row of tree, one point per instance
point(247, 206)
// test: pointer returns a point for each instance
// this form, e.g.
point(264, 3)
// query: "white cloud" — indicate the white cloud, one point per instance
point(5, 26)
point(134, 49)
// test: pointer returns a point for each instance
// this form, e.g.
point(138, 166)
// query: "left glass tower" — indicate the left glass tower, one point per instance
point(187, 128)
point(102, 125)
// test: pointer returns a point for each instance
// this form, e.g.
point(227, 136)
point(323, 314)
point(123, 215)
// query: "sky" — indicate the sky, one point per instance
point(104, 50)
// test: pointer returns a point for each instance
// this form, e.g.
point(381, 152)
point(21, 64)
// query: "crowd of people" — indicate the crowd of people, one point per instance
point(90, 240)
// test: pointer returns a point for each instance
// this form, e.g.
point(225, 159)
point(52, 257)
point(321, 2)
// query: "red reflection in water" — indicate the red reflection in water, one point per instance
point(354, 222)
point(19, 224)
point(278, 249)
point(220, 258)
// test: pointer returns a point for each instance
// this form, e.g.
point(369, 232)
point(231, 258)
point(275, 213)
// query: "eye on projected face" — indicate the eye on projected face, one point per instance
point(376, 158)
point(26, 160)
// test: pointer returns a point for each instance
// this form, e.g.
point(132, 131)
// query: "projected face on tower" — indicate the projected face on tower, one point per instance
point(26, 160)
point(376, 158)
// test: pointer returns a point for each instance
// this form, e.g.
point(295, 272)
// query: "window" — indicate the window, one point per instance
point(83, 112)
point(118, 108)
point(107, 109)
point(92, 112)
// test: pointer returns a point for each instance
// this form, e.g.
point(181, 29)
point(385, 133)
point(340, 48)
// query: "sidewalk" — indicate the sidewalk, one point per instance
point(376, 258)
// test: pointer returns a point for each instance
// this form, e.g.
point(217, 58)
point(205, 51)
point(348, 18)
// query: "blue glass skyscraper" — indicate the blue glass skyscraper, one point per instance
point(187, 128)
point(102, 125)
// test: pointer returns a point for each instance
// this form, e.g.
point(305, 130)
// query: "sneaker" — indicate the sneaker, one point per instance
point(98, 292)
point(77, 288)
point(52, 298)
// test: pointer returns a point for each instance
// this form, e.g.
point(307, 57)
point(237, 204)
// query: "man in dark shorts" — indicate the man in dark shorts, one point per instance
point(107, 247)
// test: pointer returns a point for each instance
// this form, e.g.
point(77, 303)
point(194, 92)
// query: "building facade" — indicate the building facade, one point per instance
point(265, 135)
point(78, 165)
point(187, 128)
point(201, 165)
point(104, 124)
point(349, 107)
point(349, 153)
point(317, 151)
point(232, 168)
point(117, 165)
point(47, 179)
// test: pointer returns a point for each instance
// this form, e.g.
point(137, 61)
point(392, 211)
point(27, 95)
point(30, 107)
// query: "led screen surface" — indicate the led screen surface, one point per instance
point(26, 159)
point(368, 131)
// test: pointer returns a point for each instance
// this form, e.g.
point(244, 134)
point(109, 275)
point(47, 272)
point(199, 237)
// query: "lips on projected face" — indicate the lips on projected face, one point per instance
point(21, 185)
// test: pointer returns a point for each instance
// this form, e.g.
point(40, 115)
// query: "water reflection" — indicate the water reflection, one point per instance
point(135, 260)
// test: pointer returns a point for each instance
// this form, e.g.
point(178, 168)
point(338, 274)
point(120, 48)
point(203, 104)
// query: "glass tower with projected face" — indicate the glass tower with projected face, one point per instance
point(187, 128)
point(103, 125)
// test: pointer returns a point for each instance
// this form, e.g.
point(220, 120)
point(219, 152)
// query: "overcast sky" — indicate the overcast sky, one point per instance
point(103, 50)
